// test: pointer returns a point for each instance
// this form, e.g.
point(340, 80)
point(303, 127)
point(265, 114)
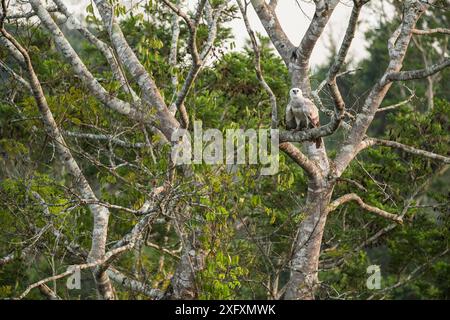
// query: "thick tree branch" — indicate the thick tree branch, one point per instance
point(299, 60)
point(78, 66)
point(272, 25)
point(312, 170)
point(419, 74)
point(151, 94)
point(105, 49)
point(311, 134)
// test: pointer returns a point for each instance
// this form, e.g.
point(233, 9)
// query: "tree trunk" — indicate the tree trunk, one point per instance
point(304, 280)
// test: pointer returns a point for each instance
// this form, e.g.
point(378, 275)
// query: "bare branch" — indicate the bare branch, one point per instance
point(110, 138)
point(387, 143)
point(354, 197)
point(198, 58)
point(28, 15)
point(320, 105)
point(346, 42)
point(353, 182)
point(171, 253)
point(399, 104)
point(15, 75)
point(177, 10)
point(272, 97)
point(59, 276)
point(173, 56)
point(311, 134)
point(340, 58)
point(431, 31)
point(418, 74)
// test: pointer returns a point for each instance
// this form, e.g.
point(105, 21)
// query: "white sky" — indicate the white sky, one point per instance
point(295, 21)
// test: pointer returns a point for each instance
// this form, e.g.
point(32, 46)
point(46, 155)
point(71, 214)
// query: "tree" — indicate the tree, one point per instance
point(185, 197)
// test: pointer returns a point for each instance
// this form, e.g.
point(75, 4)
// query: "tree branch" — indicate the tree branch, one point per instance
point(15, 75)
point(109, 138)
point(173, 57)
point(311, 134)
point(312, 170)
point(272, 25)
point(105, 49)
point(368, 142)
point(198, 58)
point(78, 66)
point(340, 58)
point(299, 65)
point(28, 15)
point(259, 74)
point(399, 104)
point(151, 94)
point(134, 285)
point(48, 293)
point(431, 31)
point(419, 74)
point(354, 197)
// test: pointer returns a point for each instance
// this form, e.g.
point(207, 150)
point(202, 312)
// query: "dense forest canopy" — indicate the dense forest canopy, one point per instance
point(87, 178)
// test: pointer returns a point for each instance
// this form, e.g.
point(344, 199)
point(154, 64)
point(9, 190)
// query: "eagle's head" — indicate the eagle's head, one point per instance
point(295, 93)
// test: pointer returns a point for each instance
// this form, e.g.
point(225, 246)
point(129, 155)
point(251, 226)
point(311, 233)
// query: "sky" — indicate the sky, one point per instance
point(294, 16)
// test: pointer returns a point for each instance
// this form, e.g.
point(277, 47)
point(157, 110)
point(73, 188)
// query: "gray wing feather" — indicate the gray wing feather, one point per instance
point(290, 118)
point(313, 113)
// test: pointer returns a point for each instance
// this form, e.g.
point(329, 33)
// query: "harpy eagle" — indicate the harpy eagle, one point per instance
point(302, 113)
